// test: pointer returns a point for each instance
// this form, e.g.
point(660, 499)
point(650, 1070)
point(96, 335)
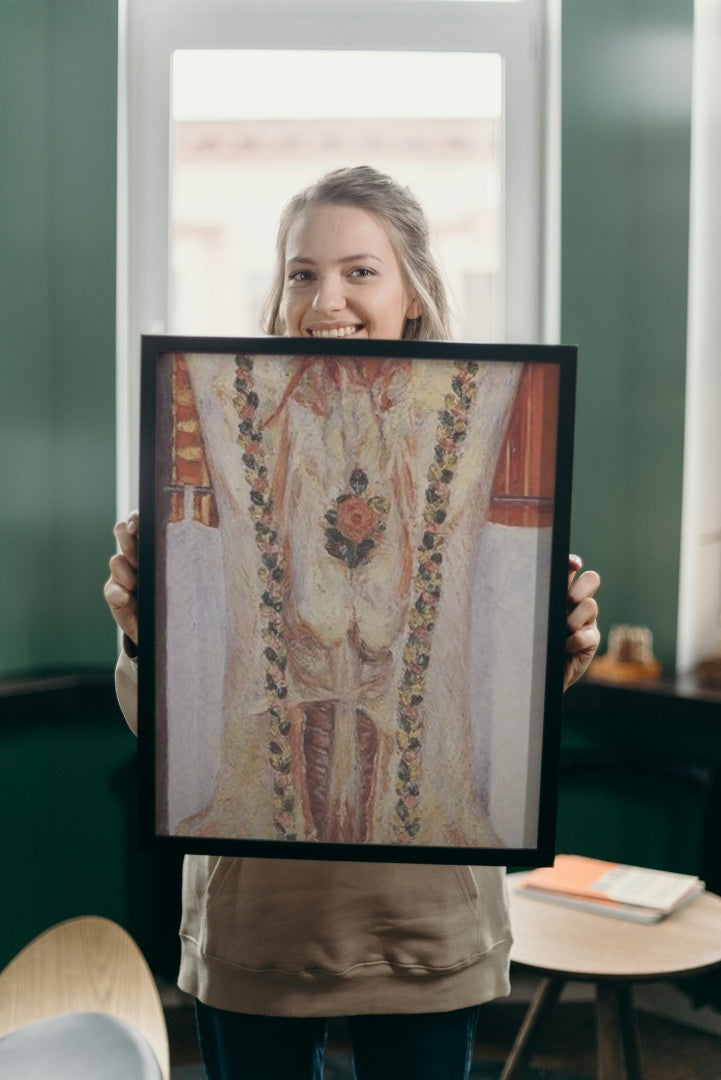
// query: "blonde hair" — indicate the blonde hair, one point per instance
point(403, 217)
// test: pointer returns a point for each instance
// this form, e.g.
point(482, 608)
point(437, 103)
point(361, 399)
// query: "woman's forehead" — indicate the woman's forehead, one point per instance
point(326, 230)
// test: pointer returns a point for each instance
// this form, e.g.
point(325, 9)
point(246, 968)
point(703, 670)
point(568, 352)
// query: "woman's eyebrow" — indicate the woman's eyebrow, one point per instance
point(361, 257)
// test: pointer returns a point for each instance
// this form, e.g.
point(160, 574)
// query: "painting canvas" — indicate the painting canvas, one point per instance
point(353, 563)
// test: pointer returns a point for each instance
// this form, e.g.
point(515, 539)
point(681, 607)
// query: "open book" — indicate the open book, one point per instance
point(608, 888)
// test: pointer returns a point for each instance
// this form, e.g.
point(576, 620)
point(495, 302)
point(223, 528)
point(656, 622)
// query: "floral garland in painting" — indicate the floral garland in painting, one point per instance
point(352, 522)
point(450, 433)
point(272, 575)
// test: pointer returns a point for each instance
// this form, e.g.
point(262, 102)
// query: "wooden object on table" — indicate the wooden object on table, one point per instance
point(629, 657)
point(88, 964)
point(709, 671)
point(565, 945)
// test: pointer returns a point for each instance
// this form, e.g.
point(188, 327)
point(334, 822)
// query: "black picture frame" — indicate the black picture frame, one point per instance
point(239, 438)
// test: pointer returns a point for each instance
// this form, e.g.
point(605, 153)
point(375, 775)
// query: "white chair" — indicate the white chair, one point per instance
point(80, 1002)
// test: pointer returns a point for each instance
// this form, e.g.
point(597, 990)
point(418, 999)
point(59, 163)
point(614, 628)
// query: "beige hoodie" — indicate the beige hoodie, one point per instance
point(289, 937)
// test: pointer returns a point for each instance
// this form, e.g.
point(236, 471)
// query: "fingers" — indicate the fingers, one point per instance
point(582, 607)
point(575, 562)
point(119, 599)
point(586, 640)
point(123, 572)
point(581, 647)
point(121, 587)
point(582, 634)
point(123, 608)
point(584, 586)
point(583, 613)
point(126, 534)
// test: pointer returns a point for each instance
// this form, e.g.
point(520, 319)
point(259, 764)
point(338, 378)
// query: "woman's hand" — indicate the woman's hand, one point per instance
point(583, 635)
point(121, 587)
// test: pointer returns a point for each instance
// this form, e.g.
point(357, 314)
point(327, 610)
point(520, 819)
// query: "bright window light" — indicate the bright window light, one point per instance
point(261, 84)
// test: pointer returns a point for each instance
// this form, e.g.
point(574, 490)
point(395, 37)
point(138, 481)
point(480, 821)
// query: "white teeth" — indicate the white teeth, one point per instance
point(335, 332)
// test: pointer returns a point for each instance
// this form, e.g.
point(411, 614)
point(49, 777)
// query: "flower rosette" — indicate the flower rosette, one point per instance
point(355, 522)
point(271, 573)
point(451, 431)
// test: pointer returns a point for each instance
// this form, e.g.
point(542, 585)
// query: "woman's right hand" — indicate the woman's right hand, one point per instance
point(121, 587)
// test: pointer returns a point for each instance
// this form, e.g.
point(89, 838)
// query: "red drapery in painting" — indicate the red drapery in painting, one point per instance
point(524, 481)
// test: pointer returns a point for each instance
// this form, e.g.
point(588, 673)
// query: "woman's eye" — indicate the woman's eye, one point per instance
point(300, 276)
point(362, 272)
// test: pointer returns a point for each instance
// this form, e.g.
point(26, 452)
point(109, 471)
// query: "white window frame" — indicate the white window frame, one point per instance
point(526, 34)
point(699, 597)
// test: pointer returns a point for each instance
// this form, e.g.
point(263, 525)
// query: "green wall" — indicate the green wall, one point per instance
point(67, 761)
point(626, 145)
point(58, 72)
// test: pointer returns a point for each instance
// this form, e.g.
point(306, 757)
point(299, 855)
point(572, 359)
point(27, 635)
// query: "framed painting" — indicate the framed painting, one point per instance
point(352, 597)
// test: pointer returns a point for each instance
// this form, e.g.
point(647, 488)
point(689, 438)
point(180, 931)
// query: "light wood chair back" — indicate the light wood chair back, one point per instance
point(87, 964)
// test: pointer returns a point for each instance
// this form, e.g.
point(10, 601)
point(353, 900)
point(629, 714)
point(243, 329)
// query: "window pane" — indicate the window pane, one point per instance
point(252, 127)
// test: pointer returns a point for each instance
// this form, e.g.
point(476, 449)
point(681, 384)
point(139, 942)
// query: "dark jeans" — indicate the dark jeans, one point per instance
point(417, 1046)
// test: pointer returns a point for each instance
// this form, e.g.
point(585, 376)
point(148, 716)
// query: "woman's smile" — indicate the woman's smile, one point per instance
point(334, 331)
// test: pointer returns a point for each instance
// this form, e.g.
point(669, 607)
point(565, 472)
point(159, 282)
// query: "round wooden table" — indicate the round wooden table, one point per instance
point(562, 944)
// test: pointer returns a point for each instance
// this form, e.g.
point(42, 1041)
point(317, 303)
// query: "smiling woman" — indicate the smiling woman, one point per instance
point(352, 501)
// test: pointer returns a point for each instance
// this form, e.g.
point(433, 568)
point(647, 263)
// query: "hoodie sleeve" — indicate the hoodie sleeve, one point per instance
point(126, 688)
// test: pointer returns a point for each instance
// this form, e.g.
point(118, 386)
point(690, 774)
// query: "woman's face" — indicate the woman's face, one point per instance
point(342, 277)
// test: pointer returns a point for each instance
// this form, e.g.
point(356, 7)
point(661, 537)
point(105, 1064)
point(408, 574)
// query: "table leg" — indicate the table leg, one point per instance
point(617, 1033)
point(545, 997)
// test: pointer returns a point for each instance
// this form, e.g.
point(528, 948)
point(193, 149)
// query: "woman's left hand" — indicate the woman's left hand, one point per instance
point(583, 635)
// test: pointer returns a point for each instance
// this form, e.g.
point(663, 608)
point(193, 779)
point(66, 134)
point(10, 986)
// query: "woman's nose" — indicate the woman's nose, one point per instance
point(329, 295)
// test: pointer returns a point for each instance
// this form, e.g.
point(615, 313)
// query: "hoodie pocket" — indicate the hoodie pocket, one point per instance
point(203, 877)
point(468, 884)
point(294, 916)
